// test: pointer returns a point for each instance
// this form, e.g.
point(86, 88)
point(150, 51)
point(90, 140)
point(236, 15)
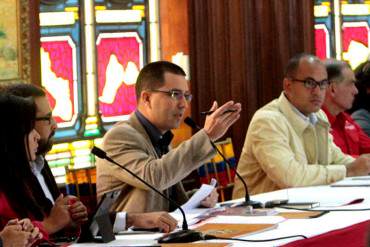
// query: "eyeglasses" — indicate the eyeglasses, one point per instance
point(46, 118)
point(176, 94)
point(311, 83)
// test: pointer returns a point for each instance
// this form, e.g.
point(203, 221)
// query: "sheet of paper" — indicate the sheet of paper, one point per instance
point(192, 216)
point(363, 181)
point(361, 178)
point(194, 202)
point(247, 219)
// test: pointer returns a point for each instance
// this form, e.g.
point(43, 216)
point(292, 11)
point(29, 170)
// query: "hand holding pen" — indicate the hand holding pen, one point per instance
point(210, 112)
point(221, 118)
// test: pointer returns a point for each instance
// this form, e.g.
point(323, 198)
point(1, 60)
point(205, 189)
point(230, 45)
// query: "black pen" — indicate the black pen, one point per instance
point(210, 112)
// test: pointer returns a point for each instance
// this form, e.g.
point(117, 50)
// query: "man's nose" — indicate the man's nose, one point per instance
point(37, 136)
point(54, 124)
point(317, 90)
point(355, 90)
point(183, 103)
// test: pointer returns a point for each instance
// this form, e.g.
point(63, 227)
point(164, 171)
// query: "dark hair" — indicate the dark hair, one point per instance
point(25, 90)
point(152, 75)
point(362, 99)
point(362, 73)
point(334, 68)
point(293, 63)
point(17, 181)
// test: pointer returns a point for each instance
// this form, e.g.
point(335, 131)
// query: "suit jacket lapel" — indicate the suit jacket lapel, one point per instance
point(135, 123)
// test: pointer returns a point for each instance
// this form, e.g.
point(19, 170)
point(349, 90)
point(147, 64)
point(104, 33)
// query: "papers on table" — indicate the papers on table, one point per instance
point(247, 219)
point(126, 240)
point(363, 181)
point(194, 216)
point(214, 215)
point(301, 205)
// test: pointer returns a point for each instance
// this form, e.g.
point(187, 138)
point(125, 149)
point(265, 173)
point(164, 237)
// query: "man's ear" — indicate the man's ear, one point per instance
point(145, 97)
point(286, 84)
point(332, 88)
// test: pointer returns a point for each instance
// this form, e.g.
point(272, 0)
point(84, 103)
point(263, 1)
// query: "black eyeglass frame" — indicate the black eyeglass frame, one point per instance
point(311, 83)
point(46, 118)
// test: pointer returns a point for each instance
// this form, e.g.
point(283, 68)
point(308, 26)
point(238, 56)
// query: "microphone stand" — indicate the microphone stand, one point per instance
point(183, 236)
point(247, 202)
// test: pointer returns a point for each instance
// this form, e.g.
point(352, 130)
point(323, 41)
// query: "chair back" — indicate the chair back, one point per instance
point(218, 169)
point(82, 183)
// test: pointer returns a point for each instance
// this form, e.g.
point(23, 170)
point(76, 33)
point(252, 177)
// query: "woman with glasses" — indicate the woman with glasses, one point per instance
point(21, 195)
point(361, 106)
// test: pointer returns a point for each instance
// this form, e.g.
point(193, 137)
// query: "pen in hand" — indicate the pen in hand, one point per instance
point(210, 112)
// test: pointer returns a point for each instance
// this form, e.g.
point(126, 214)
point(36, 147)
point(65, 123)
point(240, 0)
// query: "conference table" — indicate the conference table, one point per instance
point(334, 228)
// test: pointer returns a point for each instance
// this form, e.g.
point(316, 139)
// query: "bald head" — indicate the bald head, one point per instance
point(295, 63)
point(305, 83)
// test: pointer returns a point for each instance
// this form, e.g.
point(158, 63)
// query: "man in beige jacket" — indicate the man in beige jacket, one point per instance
point(141, 143)
point(288, 142)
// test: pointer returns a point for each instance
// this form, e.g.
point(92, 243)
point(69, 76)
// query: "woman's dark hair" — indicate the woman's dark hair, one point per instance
point(17, 181)
point(362, 99)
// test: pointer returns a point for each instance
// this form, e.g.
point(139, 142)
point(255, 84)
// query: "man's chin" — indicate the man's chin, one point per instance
point(44, 148)
point(176, 125)
point(316, 108)
point(42, 152)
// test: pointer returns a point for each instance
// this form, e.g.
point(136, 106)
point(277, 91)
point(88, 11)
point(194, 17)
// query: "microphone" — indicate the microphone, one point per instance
point(183, 236)
point(247, 202)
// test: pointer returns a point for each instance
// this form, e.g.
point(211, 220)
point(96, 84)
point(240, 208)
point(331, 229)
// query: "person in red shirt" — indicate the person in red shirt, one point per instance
point(340, 95)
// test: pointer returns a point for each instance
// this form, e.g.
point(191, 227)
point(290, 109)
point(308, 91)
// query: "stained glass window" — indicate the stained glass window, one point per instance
point(342, 30)
point(89, 69)
point(60, 63)
point(121, 52)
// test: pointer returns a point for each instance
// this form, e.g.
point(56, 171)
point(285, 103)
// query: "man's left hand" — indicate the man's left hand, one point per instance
point(162, 220)
point(211, 200)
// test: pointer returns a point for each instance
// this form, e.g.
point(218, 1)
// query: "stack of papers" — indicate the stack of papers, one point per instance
point(363, 181)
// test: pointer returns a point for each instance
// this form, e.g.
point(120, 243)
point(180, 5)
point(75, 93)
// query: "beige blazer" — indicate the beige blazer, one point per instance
point(281, 150)
point(129, 145)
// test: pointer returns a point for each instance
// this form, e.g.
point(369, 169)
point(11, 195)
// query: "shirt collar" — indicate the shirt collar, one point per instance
point(311, 118)
point(38, 164)
point(155, 135)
